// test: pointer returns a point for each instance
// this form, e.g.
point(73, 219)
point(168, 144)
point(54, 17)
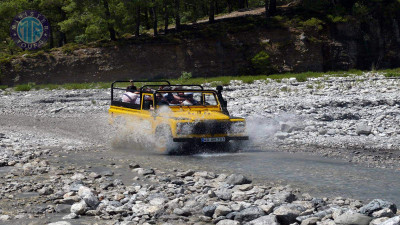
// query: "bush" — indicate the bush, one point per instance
point(302, 77)
point(185, 76)
point(313, 23)
point(24, 87)
point(3, 87)
point(261, 62)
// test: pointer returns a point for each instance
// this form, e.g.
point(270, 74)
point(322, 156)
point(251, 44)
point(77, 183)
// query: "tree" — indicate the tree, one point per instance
point(211, 17)
point(166, 15)
point(108, 18)
point(177, 15)
point(154, 14)
point(272, 7)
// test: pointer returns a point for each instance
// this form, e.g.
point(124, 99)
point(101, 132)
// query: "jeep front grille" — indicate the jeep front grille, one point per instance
point(211, 127)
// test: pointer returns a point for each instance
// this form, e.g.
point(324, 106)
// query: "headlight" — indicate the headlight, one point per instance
point(238, 127)
point(184, 128)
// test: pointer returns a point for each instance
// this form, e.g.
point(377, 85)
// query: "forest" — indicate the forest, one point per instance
point(85, 21)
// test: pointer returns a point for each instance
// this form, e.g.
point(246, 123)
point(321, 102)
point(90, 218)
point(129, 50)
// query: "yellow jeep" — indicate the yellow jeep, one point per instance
point(178, 113)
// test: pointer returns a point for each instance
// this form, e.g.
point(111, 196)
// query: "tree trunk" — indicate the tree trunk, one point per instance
point(272, 7)
point(266, 8)
point(241, 4)
point(166, 17)
point(63, 37)
point(155, 21)
point(177, 15)
point(211, 15)
point(108, 18)
point(137, 30)
point(230, 6)
point(146, 18)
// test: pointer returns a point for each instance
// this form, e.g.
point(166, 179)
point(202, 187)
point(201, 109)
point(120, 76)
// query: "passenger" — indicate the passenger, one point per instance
point(161, 100)
point(130, 96)
point(189, 100)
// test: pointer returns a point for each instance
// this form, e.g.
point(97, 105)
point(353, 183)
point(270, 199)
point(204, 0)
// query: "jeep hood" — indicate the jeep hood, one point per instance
point(198, 115)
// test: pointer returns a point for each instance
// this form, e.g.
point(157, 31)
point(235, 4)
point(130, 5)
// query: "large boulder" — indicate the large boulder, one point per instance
point(237, 179)
point(287, 214)
point(376, 205)
point(353, 218)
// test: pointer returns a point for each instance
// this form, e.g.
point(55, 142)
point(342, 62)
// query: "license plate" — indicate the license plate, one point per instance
point(215, 139)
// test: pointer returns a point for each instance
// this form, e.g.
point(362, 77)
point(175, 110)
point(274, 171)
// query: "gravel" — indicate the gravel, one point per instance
point(355, 118)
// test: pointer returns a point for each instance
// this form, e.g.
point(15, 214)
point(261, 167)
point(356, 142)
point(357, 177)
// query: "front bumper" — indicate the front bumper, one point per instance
point(198, 139)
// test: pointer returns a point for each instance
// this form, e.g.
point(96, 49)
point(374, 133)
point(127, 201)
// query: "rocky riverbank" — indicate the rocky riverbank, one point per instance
point(56, 163)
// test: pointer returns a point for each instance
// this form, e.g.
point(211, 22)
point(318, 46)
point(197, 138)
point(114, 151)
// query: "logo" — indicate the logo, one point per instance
point(30, 30)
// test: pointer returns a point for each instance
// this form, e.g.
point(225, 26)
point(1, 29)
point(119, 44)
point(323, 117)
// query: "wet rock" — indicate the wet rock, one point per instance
point(376, 205)
point(352, 218)
point(237, 179)
point(264, 220)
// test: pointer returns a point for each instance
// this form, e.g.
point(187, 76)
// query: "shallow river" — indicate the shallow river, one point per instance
point(315, 175)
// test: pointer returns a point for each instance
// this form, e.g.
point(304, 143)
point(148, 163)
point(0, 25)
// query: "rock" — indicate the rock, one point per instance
point(281, 135)
point(221, 210)
point(145, 172)
point(386, 212)
point(60, 223)
point(94, 175)
point(4, 217)
point(353, 218)
point(79, 208)
point(63, 208)
point(182, 212)
point(249, 214)
point(237, 179)
point(45, 191)
point(107, 173)
point(228, 222)
point(224, 194)
point(134, 166)
point(363, 129)
point(70, 216)
point(310, 221)
point(283, 196)
point(209, 210)
point(378, 221)
point(88, 197)
point(393, 221)
point(78, 176)
point(264, 220)
point(376, 205)
point(287, 214)
point(185, 174)
point(267, 208)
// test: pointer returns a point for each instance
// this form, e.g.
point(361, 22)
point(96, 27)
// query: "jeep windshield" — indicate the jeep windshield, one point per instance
point(185, 98)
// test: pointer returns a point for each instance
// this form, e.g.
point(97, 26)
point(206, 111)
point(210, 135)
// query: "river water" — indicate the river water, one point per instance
point(321, 177)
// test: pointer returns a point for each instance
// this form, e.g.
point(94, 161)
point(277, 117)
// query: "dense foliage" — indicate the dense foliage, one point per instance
point(83, 21)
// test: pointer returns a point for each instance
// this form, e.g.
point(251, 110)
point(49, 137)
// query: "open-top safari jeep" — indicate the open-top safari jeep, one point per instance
point(178, 113)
